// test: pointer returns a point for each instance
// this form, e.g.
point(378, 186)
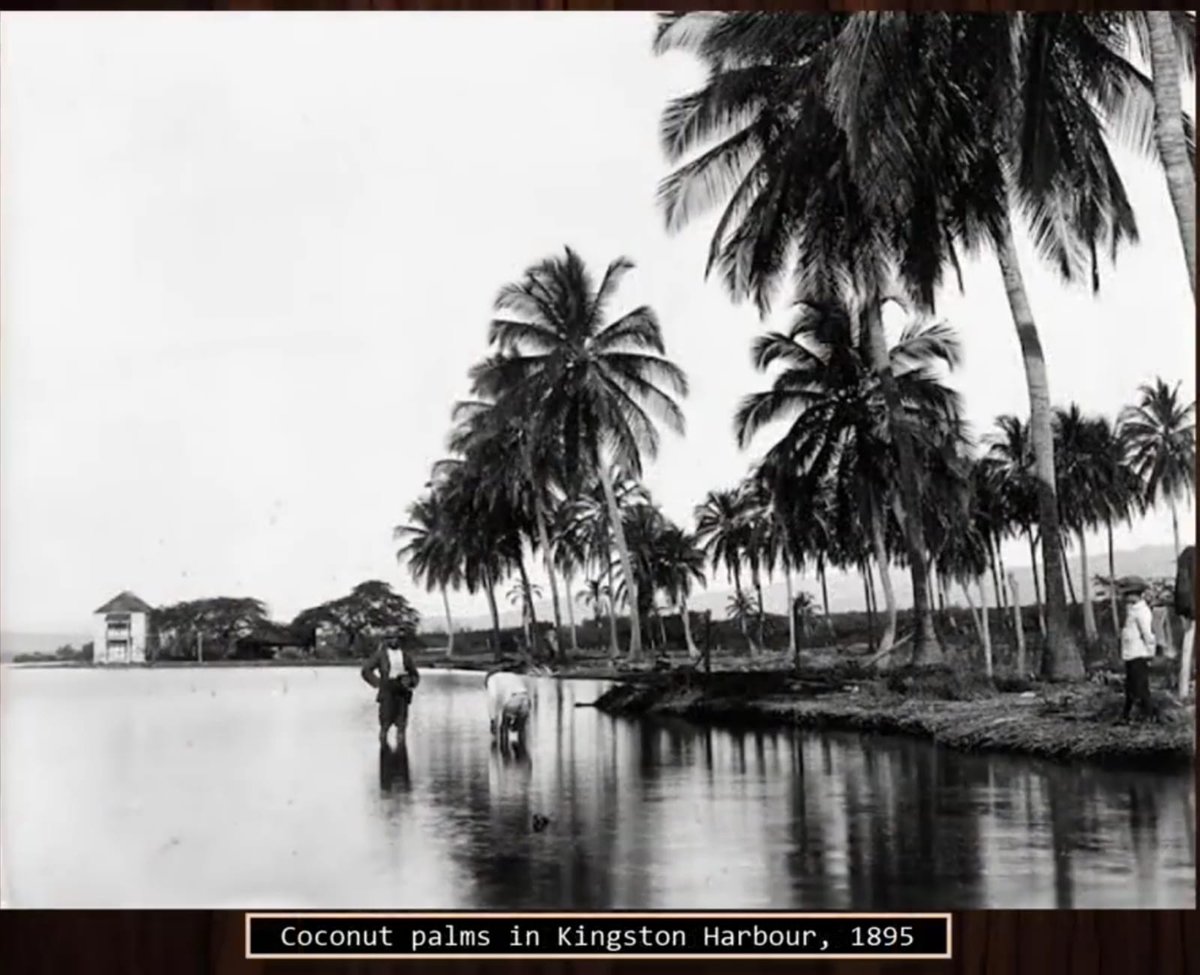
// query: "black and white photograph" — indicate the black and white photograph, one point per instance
point(597, 461)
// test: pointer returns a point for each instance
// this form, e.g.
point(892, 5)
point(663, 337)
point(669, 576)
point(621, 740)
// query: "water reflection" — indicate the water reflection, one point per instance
point(393, 769)
point(594, 813)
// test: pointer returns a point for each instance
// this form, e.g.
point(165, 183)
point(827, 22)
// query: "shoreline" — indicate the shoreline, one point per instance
point(1074, 723)
point(1060, 723)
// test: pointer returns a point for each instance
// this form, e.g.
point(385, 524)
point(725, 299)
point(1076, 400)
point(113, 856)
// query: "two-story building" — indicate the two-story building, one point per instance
point(119, 630)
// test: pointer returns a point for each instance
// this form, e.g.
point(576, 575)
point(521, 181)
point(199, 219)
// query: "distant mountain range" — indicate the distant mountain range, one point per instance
point(845, 595)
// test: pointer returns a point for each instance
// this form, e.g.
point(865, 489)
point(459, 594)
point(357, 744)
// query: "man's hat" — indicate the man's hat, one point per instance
point(1132, 584)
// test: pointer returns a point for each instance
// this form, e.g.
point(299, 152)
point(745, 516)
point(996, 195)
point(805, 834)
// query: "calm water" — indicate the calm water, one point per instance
point(265, 787)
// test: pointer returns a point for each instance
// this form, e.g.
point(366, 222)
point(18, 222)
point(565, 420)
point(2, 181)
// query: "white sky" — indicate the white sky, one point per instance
point(247, 260)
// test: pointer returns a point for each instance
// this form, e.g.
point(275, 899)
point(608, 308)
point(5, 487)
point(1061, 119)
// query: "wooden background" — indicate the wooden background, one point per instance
point(985, 942)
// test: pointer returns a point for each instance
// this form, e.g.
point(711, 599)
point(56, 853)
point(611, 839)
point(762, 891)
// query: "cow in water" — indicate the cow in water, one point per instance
point(1185, 606)
point(509, 705)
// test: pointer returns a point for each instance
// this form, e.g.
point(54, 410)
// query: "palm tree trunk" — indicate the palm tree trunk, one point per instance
point(793, 646)
point(949, 617)
point(491, 598)
point(1062, 659)
point(1112, 583)
point(824, 593)
point(987, 630)
point(1168, 132)
point(966, 588)
point(449, 623)
point(885, 580)
point(1005, 595)
point(529, 612)
point(615, 650)
point(1018, 625)
point(1174, 525)
point(567, 578)
point(926, 649)
point(1066, 571)
point(1037, 586)
point(692, 649)
point(754, 577)
point(737, 588)
point(631, 590)
point(865, 569)
point(548, 563)
point(1085, 591)
point(992, 565)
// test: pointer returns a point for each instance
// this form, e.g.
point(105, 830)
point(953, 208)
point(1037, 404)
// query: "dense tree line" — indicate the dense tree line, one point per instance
point(855, 158)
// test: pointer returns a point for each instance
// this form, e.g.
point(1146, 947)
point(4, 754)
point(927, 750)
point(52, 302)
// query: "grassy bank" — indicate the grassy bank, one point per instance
point(1077, 722)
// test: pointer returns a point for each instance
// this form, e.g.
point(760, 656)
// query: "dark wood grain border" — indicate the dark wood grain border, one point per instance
point(211, 942)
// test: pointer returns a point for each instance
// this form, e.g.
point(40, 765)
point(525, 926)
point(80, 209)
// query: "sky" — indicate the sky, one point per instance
point(247, 259)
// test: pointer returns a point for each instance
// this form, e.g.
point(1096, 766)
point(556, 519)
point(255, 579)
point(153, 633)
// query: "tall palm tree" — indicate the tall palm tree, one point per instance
point(522, 594)
point(1169, 38)
point(780, 161)
point(431, 550)
point(723, 535)
point(594, 593)
point(586, 528)
point(569, 555)
point(513, 467)
point(484, 523)
point(1118, 497)
point(678, 565)
point(1160, 431)
point(783, 541)
point(1080, 451)
point(965, 557)
point(593, 387)
point(526, 467)
point(825, 385)
point(1009, 465)
point(761, 542)
point(971, 123)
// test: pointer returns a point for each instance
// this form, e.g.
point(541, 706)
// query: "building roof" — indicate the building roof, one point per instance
point(125, 602)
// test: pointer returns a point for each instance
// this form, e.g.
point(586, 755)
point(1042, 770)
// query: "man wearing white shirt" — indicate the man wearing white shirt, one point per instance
point(1137, 647)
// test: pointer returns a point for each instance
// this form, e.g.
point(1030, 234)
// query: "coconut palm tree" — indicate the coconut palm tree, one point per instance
point(1160, 431)
point(431, 550)
point(570, 554)
point(1080, 451)
point(594, 594)
point(521, 463)
point(522, 594)
point(971, 124)
point(840, 421)
point(1009, 465)
point(779, 160)
point(678, 565)
point(1169, 40)
point(586, 528)
point(724, 537)
point(592, 387)
point(965, 560)
point(501, 452)
point(761, 542)
point(1118, 496)
point(486, 526)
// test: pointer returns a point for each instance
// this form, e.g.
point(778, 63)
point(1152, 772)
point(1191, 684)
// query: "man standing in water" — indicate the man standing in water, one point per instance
point(391, 670)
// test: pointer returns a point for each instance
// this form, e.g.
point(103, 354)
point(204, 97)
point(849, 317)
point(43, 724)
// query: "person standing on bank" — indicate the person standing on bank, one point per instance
point(1137, 647)
point(391, 670)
